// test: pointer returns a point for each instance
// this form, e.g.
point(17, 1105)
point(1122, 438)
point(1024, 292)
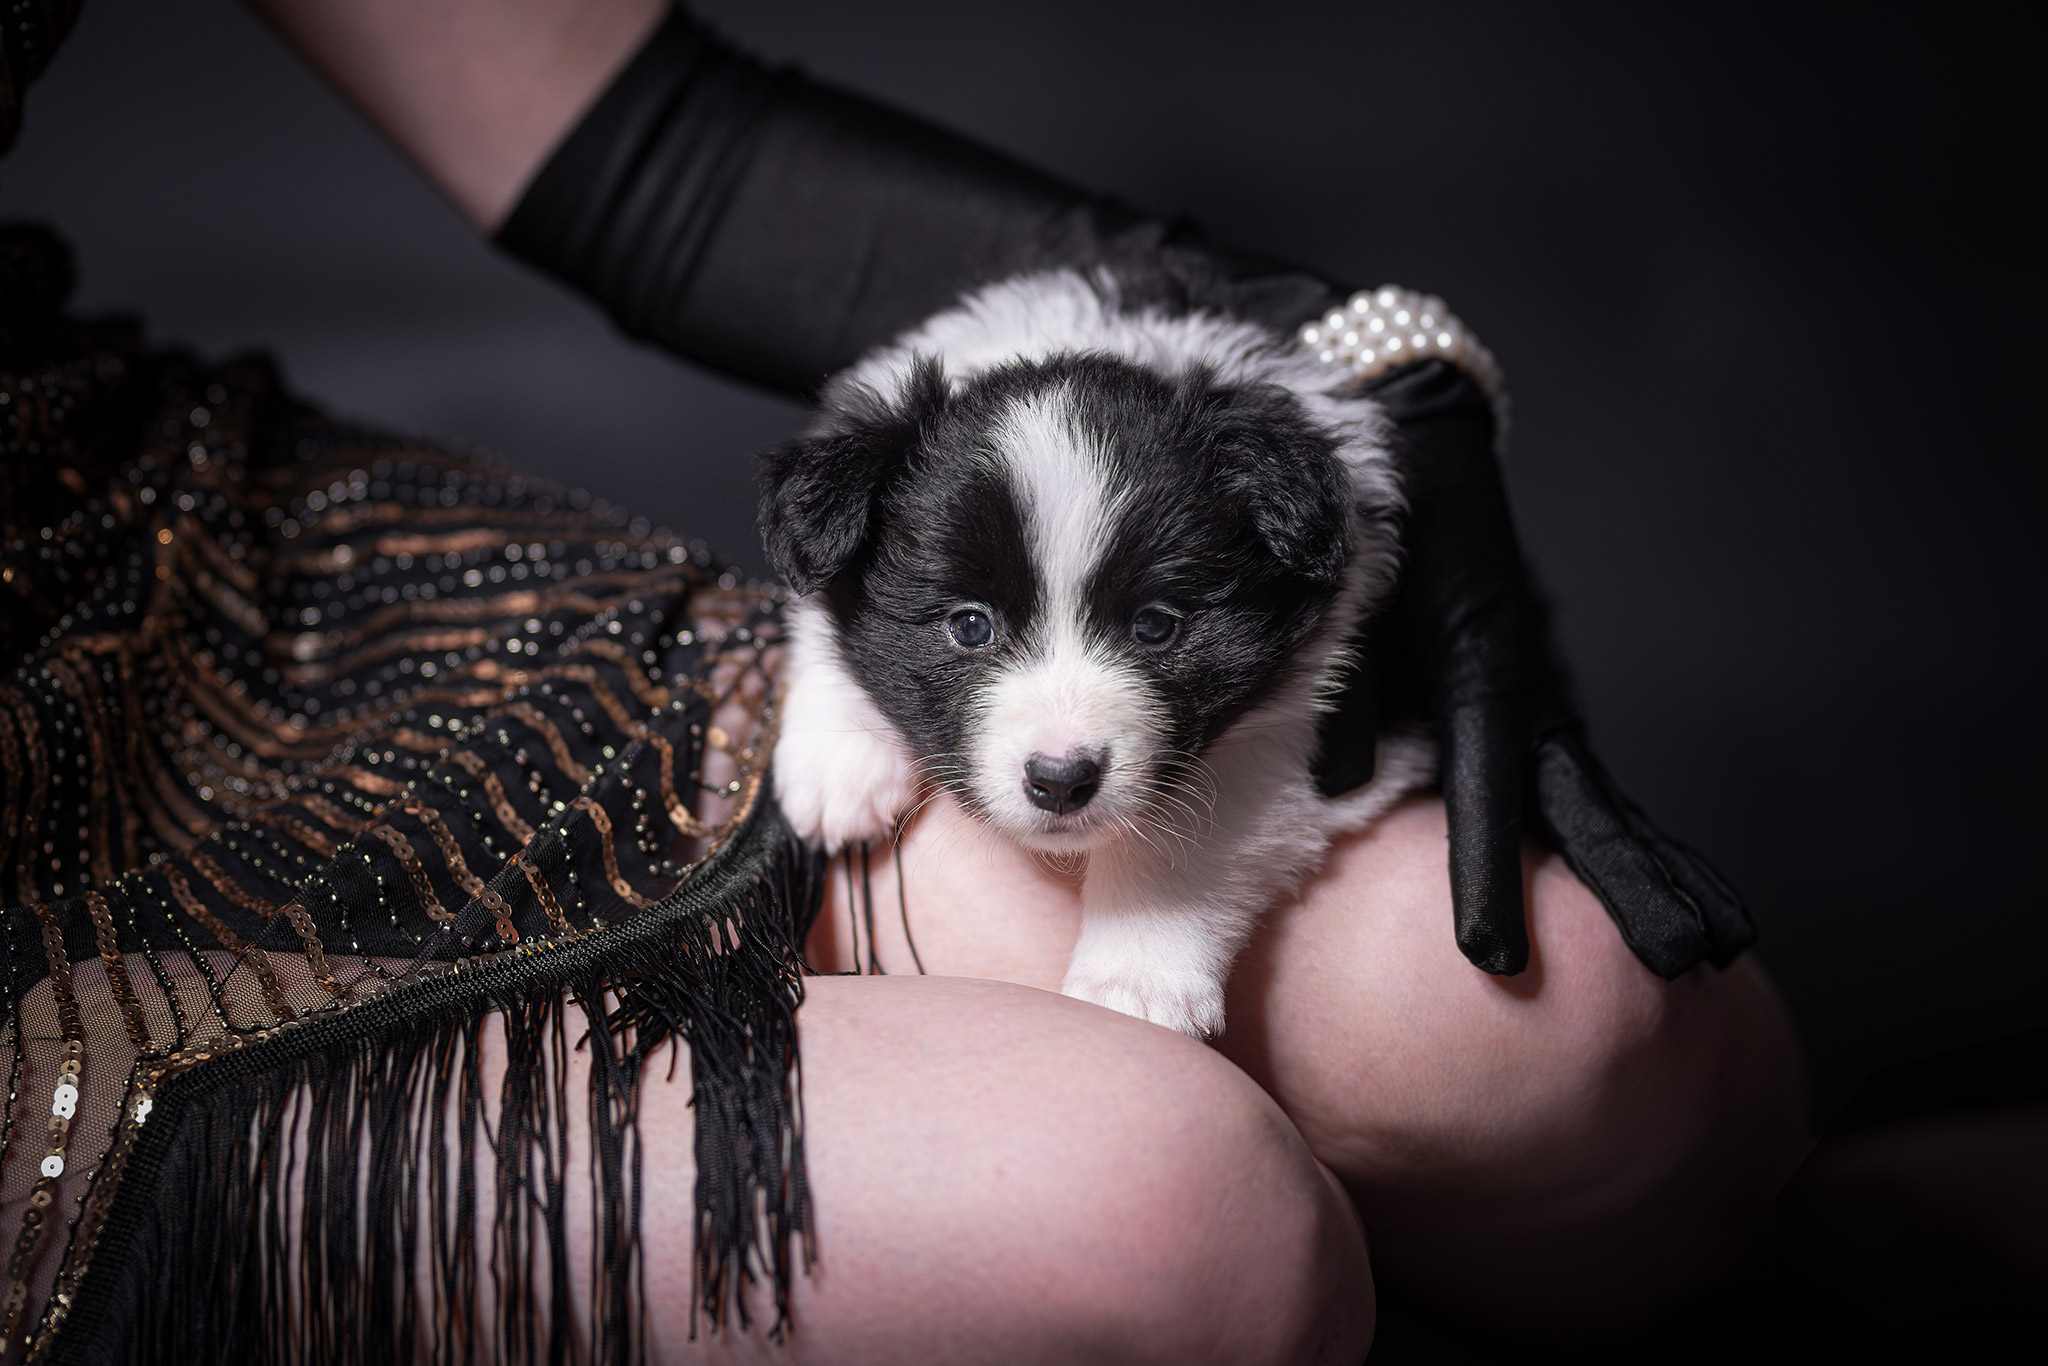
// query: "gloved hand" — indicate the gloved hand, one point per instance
point(1464, 645)
point(774, 228)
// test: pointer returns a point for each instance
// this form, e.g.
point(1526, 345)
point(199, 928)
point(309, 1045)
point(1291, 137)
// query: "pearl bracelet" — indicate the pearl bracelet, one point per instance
point(1383, 329)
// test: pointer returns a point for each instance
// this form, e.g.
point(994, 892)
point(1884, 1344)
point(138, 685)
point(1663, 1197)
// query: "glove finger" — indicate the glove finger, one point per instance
point(1724, 917)
point(1484, 762)
point(1348, 734)
point(1672, 909)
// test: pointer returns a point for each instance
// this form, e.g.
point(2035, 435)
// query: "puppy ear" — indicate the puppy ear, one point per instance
point(820, 492)
point(1299, 510)
point(1284, 471)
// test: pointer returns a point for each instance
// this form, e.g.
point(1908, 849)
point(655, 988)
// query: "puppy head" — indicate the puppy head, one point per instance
point(1062, 580)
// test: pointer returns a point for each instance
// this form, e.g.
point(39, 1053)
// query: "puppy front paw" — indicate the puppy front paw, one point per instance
point(1185, 999)
point(841, 787)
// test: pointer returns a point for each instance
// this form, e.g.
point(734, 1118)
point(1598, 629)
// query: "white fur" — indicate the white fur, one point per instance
point(1036, 317)
point(842, 774)
point(1068, 695)
point(1176, 881)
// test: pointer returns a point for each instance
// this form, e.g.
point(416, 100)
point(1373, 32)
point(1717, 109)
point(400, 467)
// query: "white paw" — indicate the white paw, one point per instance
point(841, 787)
point(1184, 1000)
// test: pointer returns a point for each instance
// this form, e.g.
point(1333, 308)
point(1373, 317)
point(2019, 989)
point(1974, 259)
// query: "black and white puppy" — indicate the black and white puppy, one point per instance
point(1089, 569)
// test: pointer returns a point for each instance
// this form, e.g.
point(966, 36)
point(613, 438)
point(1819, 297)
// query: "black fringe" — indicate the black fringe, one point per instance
point(202, 1260)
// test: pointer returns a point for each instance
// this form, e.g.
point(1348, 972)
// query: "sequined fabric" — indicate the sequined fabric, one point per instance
point(313, 740)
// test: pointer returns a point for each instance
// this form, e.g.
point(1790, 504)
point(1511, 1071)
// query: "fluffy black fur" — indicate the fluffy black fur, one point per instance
point(1234, 516)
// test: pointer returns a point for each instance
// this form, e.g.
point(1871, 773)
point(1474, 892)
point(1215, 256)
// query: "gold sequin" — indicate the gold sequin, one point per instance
point(603, 821)
point(415, 872)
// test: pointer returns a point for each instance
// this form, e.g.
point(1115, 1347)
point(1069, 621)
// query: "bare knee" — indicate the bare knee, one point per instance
point(1578, 1125)
point(1401, 1060)
point(1068, 1183)
point(1588, 1086)
point(1242, 1248)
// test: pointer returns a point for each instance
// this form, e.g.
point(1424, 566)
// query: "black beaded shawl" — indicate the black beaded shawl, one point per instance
point(317, 746)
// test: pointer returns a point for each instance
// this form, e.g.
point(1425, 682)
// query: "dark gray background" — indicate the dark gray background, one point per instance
point(1762, 280)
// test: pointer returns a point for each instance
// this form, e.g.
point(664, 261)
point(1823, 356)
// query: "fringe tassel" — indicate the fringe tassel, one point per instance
point(314, 1198)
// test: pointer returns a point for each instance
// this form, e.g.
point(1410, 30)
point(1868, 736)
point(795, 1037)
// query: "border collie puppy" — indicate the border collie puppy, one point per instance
point(1089, 570)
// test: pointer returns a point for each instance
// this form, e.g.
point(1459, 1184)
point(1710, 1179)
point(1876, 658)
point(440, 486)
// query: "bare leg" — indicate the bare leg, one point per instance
point(1568, 1151)
point(1583, 1146)
point(1004, 1175)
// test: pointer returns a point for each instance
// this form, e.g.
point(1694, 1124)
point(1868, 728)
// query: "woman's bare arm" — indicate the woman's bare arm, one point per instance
point(476, 92)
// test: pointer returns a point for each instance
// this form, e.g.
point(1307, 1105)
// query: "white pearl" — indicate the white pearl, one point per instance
point(143, 1107)
point(53, 1165)
point(1366, 345)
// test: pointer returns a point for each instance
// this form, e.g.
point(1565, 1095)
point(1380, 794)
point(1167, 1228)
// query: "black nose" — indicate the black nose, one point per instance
point(1061, 785)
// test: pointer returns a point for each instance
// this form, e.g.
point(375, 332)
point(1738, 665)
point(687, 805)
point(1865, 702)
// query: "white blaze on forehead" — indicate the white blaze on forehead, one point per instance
point(1060, 472)
point(1065, 693)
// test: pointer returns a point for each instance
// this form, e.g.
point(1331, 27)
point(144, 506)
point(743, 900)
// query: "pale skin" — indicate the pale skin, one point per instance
point(1584, 1139)
point(1004, 1174)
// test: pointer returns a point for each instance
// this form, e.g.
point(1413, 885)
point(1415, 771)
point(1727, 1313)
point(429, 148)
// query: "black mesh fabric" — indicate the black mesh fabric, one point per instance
point(317, 746)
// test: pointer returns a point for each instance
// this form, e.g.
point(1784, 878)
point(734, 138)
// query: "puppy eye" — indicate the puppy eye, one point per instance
point(1155, 627)
point(971, 628)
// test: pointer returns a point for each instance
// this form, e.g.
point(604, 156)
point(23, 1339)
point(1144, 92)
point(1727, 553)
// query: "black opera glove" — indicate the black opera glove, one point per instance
point(1464, 645)
point(774, 228)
